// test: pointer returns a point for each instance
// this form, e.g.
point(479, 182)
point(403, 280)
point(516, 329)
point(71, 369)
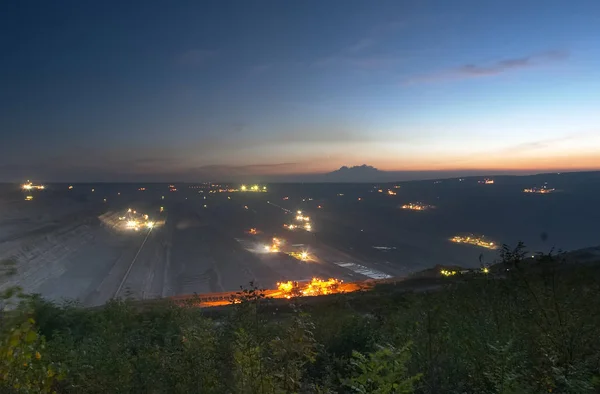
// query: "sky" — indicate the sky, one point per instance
point(190, 90)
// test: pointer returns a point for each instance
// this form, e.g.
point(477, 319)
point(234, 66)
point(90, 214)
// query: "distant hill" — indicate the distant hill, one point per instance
point(363, 173)
point(370, 174)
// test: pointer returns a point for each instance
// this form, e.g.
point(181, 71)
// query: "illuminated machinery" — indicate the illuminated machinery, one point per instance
point(302, 218)
point(30, 186)
point(253, 188)
point(275, 246)
point(476, 241)
point(302, 256)
point(135, 221)
point(315, 287)
point(541, 190)
point(448, 272)
point(272, 249)
point(416, 206)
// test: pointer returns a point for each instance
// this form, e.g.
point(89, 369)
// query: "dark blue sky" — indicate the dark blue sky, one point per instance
point(163, 90)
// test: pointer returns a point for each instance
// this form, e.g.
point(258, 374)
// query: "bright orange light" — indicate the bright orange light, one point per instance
point(315, 287)
point(476, 241)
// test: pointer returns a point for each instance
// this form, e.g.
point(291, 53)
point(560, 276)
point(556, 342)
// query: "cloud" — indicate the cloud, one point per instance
point(360, 45)
point(372, 62)
point(196, 57)
point(361, 54)
point(546, 143)
point(499, 67)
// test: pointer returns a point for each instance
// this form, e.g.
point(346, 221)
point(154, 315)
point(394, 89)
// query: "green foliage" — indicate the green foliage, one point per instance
point(381, 372)
point(23, 365)
point(530, 326)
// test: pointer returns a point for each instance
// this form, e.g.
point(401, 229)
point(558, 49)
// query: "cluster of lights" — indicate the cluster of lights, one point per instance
point(389, 192)
point(301, 218)
point(300, 255)
point(477, 241)
point(275, 246)
point(487, 181)
point(448, 273)
point(254, 188)
point(416, 206)
point(31, 186)
point(315, 287)
point(133, 223)
point(542, 190)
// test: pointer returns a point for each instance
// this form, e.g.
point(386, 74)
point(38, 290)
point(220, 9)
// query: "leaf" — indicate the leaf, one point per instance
point(30, 337)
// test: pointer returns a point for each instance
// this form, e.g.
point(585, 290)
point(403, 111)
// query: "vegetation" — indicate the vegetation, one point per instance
point(529, 326)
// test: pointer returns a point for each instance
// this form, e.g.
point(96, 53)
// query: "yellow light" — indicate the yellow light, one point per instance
point(93, 190)
point(486, 270)
point(70, 187)
point(267, 247)
point(27, 186)
point(299, 212)
point(150, 224)
point(162, 209)
point(304, 255)
point(131, 223)
point(129, 210)
point(307, 226)
point(243, 188)
point(28, 198)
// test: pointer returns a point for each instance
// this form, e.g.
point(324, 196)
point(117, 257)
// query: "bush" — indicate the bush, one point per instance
point(531, 329)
